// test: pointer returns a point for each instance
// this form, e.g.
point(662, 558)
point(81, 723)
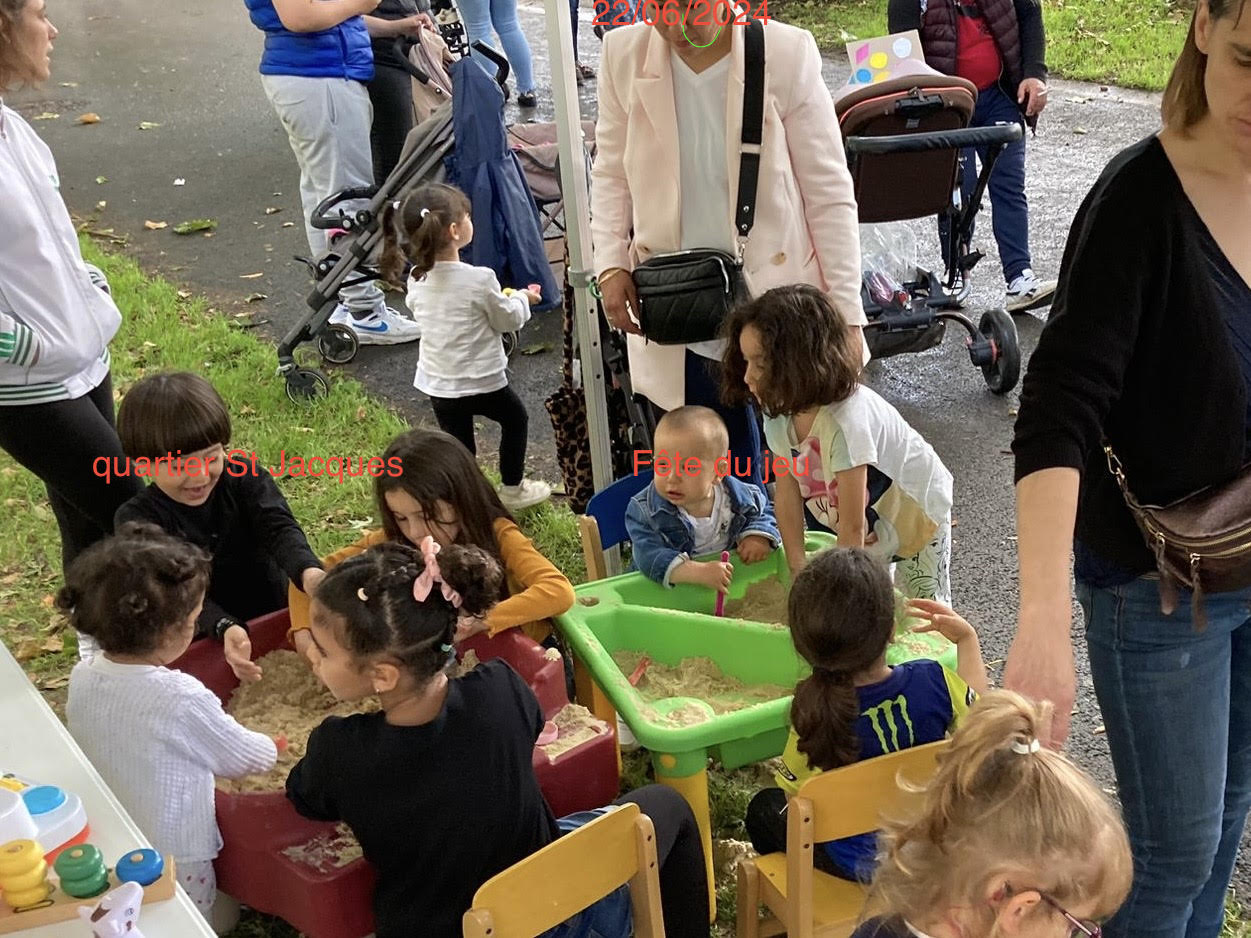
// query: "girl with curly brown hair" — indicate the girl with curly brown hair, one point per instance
point(858, 469)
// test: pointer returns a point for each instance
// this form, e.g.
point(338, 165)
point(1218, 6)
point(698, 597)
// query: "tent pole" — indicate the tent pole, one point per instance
point(575, 189)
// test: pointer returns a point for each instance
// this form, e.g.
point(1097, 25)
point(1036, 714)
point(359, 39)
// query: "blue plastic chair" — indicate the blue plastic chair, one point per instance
point(603, 526)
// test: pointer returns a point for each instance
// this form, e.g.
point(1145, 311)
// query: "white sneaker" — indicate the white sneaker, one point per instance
point(381, 327)
point(1028, 292)
point(527, 494)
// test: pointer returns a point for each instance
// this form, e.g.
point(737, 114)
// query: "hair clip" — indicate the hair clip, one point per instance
point(396, 205)
point(445, 648)
point(1024, 749)
point(360, 594)
point(425, 212)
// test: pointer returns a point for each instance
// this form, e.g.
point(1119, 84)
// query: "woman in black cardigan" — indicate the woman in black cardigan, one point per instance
point(1149, 348)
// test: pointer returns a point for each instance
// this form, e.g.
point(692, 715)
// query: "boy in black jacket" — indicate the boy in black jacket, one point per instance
point(175, 428)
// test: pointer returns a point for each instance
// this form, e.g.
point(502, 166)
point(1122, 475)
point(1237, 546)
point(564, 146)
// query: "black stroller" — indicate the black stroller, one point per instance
point(903, 139)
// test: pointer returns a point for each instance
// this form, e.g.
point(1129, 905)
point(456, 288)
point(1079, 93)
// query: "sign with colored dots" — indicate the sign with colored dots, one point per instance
point(879, 59)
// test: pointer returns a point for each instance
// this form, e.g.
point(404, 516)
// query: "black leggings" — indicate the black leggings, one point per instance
point(680, 851)
point(455, 416)
point(391, 93)
point(60, 442)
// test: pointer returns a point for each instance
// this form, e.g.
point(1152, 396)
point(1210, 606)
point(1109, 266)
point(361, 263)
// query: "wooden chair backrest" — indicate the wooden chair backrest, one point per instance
point(853, 800)
point(569, 875)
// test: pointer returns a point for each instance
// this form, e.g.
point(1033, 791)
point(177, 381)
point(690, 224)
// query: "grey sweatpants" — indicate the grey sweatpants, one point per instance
point(327, 121)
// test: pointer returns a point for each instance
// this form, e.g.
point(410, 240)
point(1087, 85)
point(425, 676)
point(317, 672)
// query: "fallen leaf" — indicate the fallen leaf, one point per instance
point(101, 180)
point(1080, 131)
point(245, 409)
point(208, 234)
point(196, 224)
point(55, 683)
point(147, 344)
point(101, 206)
point(69, 84)
point(45, 116)
point(184, 294)
point(28, 650)
point(288, 224)
point(536, 349)
point(180, 182)
point(251, 276)
point(89, 118)
point(360, 413)
point(272, 211)
point(48, 600)
point(155, 225)
point(255, 297)
point(148, 125)
point(306, 429)
point(54, 644)
point(10, 578)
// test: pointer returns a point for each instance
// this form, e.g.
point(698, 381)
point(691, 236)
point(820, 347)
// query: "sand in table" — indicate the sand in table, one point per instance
point(577, 725)
point(764, 601)
point(699, 678)
point(327, 852)
point(290, 701)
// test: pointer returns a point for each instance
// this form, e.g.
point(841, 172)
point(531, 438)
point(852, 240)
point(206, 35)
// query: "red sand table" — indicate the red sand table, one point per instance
point(337, 903)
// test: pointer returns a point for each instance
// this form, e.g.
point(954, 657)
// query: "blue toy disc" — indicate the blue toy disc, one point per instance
point(142, 866)
point(42, 799)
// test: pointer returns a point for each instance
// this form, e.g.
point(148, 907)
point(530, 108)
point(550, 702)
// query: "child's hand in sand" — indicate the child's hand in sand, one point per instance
point(754, 548)
point(469, 625)
point(716, 575)
point(941, 619)
point(238, 648)
point(280, 743)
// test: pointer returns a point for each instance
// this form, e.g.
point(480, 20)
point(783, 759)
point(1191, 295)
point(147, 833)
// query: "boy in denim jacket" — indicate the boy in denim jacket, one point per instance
point(684, 514)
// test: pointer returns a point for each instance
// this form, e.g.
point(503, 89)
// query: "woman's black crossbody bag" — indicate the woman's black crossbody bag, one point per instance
point(685, 296)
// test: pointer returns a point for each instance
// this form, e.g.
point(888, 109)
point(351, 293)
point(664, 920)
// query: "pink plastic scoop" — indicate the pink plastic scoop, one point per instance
point(725, 558)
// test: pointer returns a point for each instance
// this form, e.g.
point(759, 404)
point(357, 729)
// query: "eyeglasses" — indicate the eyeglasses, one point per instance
point(1089, 929)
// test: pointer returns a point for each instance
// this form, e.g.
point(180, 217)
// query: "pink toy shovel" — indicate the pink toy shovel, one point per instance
point(725, 558)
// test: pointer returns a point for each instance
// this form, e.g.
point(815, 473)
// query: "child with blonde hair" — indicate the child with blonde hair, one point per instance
point(1012, 839)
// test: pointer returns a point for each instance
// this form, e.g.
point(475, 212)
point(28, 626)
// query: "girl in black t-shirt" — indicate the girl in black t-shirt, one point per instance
point(438, 786)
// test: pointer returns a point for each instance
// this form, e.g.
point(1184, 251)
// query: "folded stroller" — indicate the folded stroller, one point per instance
point(505, 215)
point(903, 138)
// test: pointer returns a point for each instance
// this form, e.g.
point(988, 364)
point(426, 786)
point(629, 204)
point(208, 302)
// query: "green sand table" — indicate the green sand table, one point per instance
point(630, 613)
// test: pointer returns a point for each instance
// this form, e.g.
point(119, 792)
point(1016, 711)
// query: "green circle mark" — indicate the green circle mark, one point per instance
point(706, 44)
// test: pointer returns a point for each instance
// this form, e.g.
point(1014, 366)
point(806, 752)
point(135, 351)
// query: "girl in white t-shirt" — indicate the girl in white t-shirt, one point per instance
point(463, 315)
point(856, 467)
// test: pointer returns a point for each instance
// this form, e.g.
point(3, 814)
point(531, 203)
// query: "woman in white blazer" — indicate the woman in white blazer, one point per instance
point(668, 136)
point(56, 316)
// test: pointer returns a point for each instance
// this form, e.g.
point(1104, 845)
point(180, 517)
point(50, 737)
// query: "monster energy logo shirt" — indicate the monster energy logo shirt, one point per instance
point(919, 703)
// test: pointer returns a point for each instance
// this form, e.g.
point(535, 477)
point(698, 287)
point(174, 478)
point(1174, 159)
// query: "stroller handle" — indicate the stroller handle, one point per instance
point(501, 63)
point(321, 215)
point(996, 135)
point(401, 46)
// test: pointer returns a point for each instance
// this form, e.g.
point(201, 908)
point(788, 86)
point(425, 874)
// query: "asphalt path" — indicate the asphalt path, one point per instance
point(190, 68)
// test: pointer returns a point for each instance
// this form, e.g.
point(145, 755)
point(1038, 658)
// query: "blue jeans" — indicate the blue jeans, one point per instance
point(1009, 208)
point(1177, 706)
point(481, 16)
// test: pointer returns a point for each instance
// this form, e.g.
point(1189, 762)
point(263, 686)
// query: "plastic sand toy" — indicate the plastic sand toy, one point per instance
point(691, 684)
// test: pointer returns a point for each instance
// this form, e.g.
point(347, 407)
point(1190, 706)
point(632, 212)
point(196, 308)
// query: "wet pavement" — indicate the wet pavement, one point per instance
point(190, 67)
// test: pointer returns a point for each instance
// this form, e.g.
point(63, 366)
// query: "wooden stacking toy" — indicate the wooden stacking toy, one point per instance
point(23, 874)
point(35, 896)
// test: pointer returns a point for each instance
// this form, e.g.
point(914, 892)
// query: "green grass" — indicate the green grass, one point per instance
point(1131, 43)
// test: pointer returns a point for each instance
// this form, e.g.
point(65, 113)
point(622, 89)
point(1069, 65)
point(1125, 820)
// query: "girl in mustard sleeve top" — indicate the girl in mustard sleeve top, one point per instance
point(441, 492)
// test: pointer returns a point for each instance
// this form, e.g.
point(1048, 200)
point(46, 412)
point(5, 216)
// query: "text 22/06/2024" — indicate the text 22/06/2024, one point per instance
point(687, 12)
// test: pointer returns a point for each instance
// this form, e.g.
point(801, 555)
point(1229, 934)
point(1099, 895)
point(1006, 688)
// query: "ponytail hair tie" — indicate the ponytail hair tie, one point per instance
point(396, 205)
point(425, 582)
point(1022, 748)
point(425, 212)
point(445, 648)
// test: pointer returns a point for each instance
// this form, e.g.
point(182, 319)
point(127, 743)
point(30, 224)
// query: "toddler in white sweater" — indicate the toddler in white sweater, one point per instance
point(157, 737)
point(463, 315)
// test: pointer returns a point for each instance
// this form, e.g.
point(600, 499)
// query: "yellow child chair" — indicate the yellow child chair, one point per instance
point(569, 875)
point(801, 901)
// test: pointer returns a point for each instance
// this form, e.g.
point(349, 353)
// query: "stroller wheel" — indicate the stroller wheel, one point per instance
point(510, 343)
point(1005, 368)
point(338, 344)
point(306, 384)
